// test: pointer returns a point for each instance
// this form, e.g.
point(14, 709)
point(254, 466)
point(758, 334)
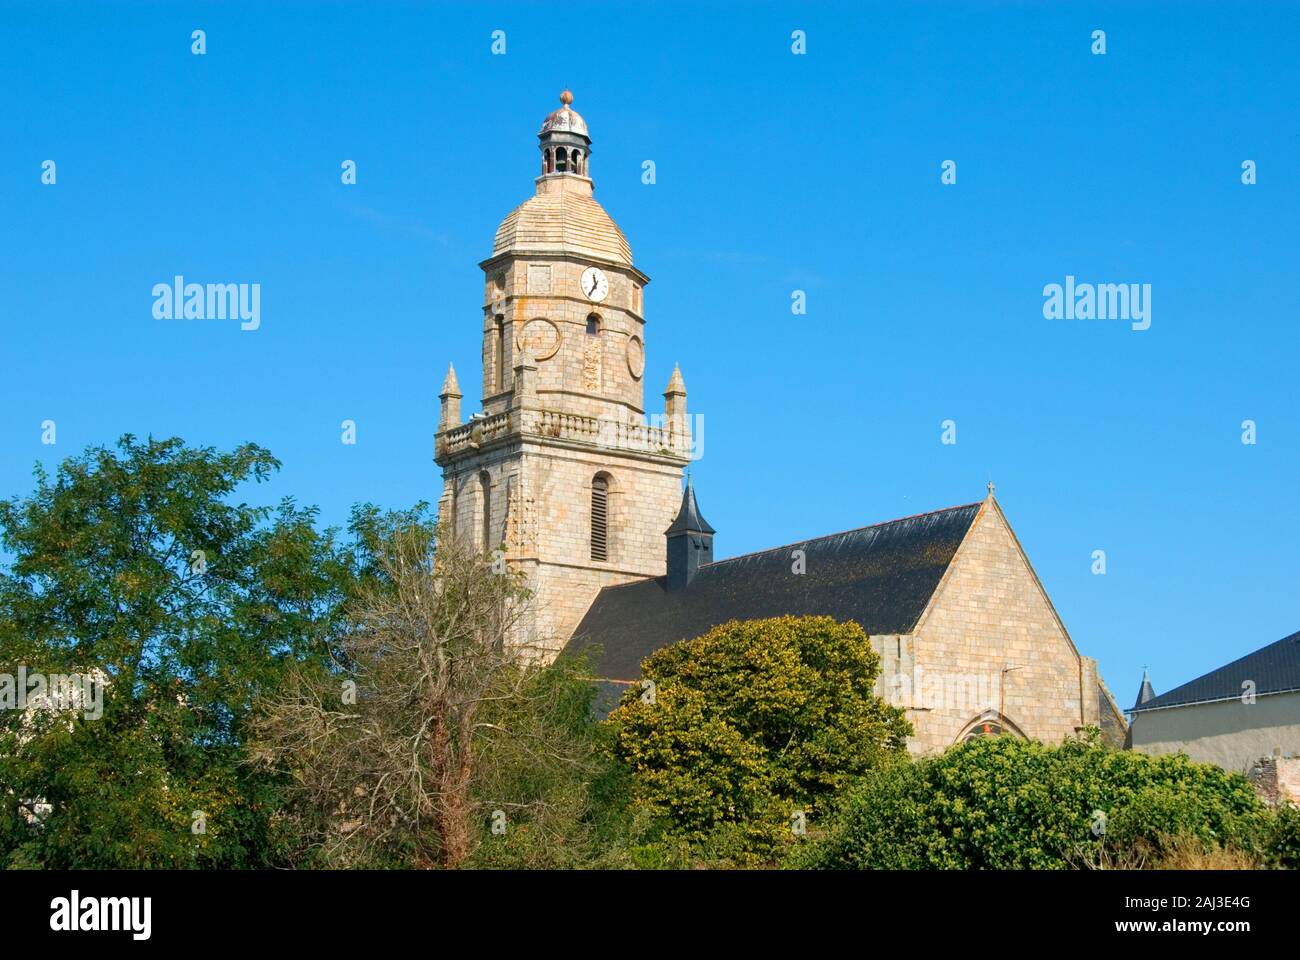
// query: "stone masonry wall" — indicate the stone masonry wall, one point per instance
point(590, 375)
point(644, 496)
point(1276, 779)
point(541, 512)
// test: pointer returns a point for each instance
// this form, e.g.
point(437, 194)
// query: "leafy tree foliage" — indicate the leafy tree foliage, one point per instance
point(1006, 803)
point(134, 562)
point(753, 723)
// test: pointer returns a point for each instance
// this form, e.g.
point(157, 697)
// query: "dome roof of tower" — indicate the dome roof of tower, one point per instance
point(565, 119)
point(562, 222)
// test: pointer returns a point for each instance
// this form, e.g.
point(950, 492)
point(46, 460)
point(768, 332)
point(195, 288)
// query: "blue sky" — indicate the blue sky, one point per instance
point(775, 172)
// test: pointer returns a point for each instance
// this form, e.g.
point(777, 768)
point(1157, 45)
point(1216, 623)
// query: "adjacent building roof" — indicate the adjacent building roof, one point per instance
point(1272, 669)
point(881, 576)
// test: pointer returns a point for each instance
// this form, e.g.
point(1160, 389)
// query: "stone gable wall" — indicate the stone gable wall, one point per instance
point(988, 613)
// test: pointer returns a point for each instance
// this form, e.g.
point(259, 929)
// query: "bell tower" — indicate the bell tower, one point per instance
point(561, 470)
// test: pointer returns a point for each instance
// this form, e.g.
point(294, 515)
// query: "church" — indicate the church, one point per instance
point(566, 474)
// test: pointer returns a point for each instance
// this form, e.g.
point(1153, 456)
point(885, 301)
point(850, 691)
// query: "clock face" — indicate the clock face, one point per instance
point(595, 285)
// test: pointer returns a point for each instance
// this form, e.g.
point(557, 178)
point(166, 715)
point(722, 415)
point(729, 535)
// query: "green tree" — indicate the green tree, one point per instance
point(735, 733)
point(133, 564)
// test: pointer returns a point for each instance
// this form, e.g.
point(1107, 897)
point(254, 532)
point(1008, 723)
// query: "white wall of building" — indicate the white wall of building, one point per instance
point(1230, 733)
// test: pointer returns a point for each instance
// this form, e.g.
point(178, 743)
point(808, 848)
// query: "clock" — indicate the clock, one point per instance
point(594, 283)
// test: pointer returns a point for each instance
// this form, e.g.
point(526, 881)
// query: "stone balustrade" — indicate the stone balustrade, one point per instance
point(610, 434)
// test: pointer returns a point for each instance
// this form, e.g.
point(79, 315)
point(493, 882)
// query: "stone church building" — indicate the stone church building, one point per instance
point(566, 473)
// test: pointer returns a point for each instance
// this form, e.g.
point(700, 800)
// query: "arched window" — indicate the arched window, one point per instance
point(485, 489)
point(577, 161)
point(593, 325)
point(561, 160)
point(548, 161)
point(989, 724)
point(501, 353)
point(600, 517)
point(453, 507)
point(985, 728)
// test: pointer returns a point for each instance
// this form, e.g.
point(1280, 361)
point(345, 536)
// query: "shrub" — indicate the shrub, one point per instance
point(1282, 847)
point(1005, 803)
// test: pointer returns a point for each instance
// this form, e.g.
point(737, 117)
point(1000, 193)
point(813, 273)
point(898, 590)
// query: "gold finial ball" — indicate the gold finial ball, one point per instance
point(566, 97)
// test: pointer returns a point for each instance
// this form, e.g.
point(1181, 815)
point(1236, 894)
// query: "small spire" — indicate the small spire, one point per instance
point(688, 518)
point(450, 388)
point(991, 488)
point(675, 383)
point(689, 542)
point(1146, 691)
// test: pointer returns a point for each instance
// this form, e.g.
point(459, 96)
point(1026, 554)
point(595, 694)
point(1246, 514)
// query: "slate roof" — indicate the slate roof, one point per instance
point(881, 576)
point(1273, 669)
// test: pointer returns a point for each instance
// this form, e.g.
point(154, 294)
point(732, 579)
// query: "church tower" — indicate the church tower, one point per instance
point(560, 470)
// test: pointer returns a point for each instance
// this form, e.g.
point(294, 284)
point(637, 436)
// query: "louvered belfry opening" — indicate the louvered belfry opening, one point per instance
point(600, 519)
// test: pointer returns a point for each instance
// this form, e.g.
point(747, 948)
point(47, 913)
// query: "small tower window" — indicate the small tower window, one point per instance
point(485, 488)
point(600, 518)
point(577, 161)
point(548, 161)
point(593, 325)
point(561, 160)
